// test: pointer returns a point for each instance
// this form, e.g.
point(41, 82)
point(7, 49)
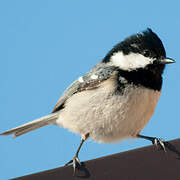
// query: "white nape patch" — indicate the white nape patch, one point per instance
point(80, 79)
point(94, 76)
point(130, 62)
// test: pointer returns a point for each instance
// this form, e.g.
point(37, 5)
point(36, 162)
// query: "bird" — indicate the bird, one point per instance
point(115, 99)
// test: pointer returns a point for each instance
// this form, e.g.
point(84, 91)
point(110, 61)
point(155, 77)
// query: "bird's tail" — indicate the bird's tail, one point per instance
point(37, 123)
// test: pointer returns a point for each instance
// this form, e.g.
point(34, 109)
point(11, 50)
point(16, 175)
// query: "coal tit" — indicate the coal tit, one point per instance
point(115, 99)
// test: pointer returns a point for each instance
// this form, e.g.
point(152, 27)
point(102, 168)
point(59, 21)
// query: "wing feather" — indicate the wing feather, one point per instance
point(102, 73)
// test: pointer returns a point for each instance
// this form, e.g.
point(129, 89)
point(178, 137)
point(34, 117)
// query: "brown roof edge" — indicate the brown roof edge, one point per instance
point(147, 163)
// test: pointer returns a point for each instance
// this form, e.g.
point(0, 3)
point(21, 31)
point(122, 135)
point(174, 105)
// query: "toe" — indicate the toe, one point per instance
point(75, 162)
point(160, 142)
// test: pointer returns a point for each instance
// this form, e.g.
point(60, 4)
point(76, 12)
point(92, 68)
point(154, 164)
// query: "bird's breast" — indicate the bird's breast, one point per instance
point(108, 116)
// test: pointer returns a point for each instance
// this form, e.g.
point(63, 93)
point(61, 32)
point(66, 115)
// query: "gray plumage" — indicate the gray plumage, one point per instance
point(43, 121)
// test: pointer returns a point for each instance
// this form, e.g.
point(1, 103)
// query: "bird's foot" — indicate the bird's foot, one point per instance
point(156, 141)
point(159, 141)
point(75, 162)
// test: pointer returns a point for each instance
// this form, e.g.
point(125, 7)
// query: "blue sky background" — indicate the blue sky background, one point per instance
point(45, 45)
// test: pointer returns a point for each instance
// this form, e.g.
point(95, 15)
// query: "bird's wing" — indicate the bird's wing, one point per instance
point(91, 80)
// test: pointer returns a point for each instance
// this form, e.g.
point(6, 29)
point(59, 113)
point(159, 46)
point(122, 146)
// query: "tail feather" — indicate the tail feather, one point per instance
point(37, 123)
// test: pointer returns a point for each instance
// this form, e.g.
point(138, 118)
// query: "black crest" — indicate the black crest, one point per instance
point(146, 43)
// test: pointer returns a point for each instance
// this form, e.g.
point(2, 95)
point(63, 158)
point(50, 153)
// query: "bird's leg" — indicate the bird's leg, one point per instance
point(75, 161)
point(154, 140)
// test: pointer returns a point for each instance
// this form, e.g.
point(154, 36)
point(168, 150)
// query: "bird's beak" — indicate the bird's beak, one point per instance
point(167, 61)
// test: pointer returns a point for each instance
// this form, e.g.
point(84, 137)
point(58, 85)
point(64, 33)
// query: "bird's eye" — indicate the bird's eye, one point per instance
point(146, 53)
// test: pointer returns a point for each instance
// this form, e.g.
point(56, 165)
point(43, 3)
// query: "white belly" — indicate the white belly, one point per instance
point(108, 117)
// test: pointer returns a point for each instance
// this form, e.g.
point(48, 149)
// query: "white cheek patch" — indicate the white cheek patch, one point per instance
point(130, 62)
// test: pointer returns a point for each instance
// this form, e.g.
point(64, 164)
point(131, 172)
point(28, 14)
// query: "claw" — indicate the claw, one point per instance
point(75, 162)
point(154, 141)
point(159, 141)
point(69, 162)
